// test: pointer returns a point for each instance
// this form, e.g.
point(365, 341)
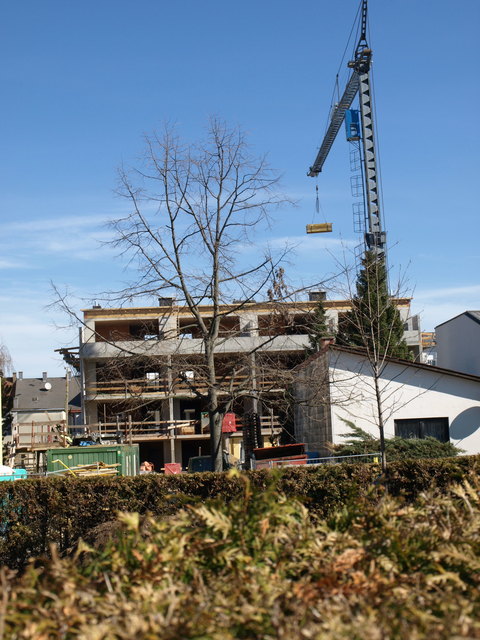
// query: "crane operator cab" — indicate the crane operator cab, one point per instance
point(352, 124)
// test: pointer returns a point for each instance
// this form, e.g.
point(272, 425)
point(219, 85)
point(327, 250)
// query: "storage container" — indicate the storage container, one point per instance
point(126, 456)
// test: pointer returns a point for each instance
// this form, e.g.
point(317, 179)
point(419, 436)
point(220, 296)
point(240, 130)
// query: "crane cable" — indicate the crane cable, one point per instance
point(318, 207)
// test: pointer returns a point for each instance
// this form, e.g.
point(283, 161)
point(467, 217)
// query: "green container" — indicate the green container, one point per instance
point(126, 456)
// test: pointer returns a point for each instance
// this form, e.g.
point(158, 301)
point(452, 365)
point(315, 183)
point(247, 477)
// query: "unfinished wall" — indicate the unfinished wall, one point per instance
point(312, 405)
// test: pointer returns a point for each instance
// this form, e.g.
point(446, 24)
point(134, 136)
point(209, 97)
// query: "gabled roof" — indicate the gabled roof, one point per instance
point(473, 315)
point(407, 363)
point(31, 394)
point(401, 361)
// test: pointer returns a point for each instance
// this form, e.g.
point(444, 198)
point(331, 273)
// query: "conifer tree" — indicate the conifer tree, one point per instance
point(318, 328)
point(374, 322)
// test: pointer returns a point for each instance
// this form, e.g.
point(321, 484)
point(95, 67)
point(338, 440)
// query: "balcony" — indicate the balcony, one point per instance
point(191, 346)
point(186, 386)
point(134, 432)
point(39, 435)
point(45, 436)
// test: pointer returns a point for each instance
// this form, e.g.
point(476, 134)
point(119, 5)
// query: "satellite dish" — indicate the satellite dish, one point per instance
point(47, 386)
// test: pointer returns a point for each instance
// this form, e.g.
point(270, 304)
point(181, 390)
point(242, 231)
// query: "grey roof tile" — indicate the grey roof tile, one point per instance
point(31, 394)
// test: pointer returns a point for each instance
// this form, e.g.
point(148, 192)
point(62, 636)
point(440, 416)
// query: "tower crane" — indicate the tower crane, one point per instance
point(358, 129)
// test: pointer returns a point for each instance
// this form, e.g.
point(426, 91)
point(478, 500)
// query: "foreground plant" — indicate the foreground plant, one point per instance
point(260, 567)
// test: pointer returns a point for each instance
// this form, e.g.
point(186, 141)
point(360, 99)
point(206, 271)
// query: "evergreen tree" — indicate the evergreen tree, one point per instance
point(359, 441)
point(318, 328)
point(373, 322)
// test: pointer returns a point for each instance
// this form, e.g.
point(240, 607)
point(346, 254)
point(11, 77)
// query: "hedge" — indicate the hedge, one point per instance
point(38, 512)
point(260, 568)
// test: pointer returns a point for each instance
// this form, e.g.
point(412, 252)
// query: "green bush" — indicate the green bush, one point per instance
point(260, 567)
point(359, 441)
point(38, 512)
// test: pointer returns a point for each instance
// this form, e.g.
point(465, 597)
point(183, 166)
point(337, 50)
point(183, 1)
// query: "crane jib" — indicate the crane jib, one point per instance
point(359, 82)
point(336, 121)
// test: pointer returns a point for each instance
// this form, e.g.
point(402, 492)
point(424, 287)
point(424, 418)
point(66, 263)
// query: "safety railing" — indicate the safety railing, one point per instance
point(300, 460)
point(41, 435)
point(187, 385)
point(159, 429)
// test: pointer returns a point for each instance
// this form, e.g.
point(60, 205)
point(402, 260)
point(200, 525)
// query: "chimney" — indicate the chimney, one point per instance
point(165, 302)
point(317, 296)
point(44, 376)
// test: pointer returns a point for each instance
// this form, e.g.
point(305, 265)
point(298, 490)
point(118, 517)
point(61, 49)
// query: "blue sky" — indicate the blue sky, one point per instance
point(82, 83)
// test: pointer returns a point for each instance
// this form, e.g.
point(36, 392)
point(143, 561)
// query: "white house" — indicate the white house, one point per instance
point(418, 400)
point(458, 343)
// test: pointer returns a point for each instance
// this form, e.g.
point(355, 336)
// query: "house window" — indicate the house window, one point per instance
point(423, 428)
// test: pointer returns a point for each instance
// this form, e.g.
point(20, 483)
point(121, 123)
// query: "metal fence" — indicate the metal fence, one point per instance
point(301, 460)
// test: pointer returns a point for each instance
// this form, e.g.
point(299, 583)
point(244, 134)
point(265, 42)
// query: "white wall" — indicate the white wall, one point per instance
point(458, 345)
point(26, 418)
point(408, 392)
point(35, 423)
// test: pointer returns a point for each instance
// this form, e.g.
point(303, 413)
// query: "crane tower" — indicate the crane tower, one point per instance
point(359, 83)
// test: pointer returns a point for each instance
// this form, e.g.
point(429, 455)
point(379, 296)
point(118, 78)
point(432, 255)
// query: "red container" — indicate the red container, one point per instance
point(172, 468)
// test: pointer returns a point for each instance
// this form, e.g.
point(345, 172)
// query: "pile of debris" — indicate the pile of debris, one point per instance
point(83, 470)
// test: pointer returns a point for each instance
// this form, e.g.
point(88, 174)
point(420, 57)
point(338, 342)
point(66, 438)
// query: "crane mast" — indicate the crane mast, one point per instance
point(359, 82)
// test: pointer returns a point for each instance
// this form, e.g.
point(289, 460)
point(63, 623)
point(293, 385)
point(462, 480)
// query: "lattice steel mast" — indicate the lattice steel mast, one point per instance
point(359, 82)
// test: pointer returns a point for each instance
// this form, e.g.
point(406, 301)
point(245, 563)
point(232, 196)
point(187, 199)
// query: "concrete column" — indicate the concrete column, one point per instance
point(171, 432)
point(88, 331)
point(248, 323)
point(89, 380)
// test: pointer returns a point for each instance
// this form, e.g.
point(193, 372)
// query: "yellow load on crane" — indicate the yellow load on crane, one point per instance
point(324, 227)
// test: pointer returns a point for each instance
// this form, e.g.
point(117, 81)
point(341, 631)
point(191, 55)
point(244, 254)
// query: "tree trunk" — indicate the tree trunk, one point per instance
point(214, 415)
point(215, 431)
point(380, 423)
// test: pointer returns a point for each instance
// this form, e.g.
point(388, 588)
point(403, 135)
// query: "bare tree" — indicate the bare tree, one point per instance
point(5, 361)
point(6, 390)
point(374, 325)
point(193, 210)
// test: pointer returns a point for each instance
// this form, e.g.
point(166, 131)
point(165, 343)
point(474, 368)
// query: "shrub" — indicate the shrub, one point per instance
point(38, 512)
point(261, 567)
point(359, 441)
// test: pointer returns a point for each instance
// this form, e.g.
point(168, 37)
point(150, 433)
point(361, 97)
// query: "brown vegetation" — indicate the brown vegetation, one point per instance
point(40, 512)
point(261, 567)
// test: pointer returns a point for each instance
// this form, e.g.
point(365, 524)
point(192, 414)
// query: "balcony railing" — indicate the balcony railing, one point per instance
point(131, 431)
point(187, 385)
point(42, 436)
